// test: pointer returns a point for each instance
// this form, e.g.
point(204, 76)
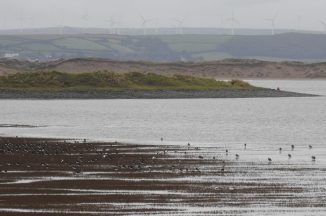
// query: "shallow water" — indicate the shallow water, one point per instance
point(217, 122)
point(265, 124)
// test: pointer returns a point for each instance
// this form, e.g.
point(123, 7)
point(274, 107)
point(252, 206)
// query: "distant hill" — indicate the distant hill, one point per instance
point(165, 48)
point(224, 69)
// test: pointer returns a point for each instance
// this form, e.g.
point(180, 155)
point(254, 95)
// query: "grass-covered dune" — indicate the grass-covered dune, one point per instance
point(109, 81)
point(109, 85)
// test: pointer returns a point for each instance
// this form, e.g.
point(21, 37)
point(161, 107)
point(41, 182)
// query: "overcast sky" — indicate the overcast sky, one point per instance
point(291, 14)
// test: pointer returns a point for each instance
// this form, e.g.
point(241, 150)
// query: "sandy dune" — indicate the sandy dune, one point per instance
point(228, 69)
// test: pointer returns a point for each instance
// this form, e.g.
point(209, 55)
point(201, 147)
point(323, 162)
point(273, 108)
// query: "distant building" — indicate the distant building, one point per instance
point(11, 55)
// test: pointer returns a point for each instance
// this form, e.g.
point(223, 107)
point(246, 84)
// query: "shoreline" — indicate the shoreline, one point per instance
point(153, 94)
point(65, 177)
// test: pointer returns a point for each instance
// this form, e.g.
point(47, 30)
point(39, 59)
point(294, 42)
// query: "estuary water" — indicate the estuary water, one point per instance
point(264, 124)
point(267, 123)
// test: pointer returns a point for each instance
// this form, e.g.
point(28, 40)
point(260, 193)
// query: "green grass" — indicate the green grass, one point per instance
point(194, 43)
point(79, 44)
point(56, 81)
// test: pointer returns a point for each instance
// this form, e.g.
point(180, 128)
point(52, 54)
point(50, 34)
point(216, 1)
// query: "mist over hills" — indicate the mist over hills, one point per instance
point(49, 46)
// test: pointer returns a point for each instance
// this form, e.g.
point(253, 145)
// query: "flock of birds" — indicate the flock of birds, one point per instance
point(76, 157)
point(48, 149)
point(237, 156)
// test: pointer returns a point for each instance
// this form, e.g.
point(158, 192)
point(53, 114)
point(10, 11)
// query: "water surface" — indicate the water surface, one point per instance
point(264, 124)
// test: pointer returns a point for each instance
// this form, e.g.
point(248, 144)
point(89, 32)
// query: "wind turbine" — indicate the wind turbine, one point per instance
point(4, 22)
point(30, 21)
point(299, 20)
point(233, 21)
point(62, 24)
point(112, 24)
point(144, 24)
point(324, 25)
point(272, 21)
point(179, 27)
point(21, 20)
point(157, 26)
point(221, 20)
point(85, 19)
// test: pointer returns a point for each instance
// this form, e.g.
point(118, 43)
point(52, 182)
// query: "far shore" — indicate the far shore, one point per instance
point(150, 94)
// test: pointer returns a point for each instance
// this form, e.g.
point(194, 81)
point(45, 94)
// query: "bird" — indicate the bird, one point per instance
point(245, 146)
point(310, 146)
point(313, 158)
point(280, 149)
point(292, 147)
point(270, 160)
point(226, 151)
point(237, 157)
point(223, 169)
point(161, 138)
point(290, 156)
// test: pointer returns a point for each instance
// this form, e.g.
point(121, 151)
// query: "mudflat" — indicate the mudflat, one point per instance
point(80, 177)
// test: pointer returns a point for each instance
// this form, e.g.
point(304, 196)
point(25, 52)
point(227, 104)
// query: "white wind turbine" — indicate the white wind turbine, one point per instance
point(221, 20)
point(112, 22)
point(62, 25)
point(324, 25)
point(144, 23)
point(179, 26)
point(21, 21)
point(299, 20)
point(272, 21)
point(233, 21)
point(157, 26)
point(85, 19)
point(4, 22)
point(61, 22)
point(30, 21)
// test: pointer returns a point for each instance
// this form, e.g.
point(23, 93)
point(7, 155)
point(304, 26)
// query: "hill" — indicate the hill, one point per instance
point(164, 48)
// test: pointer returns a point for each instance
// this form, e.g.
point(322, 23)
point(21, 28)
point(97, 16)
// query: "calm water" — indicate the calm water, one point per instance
point(267, 123)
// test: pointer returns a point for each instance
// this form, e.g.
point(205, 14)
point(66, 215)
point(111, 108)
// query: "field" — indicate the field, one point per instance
point(164, 48)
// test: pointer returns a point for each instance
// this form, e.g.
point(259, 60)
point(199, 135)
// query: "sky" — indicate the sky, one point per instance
point(288, 14)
